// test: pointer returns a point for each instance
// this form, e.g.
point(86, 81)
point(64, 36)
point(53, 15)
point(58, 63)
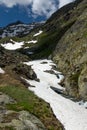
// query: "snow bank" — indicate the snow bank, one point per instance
point(38, 33)
point(13, 46)
point(2, 71)
point(26, 47)
point(33, 41)
point(71, 115)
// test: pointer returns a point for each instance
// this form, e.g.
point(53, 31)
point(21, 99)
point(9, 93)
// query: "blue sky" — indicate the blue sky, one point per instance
point(9, 15)
point(28, 11)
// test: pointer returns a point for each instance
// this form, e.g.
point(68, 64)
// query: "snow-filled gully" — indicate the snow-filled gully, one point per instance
point(70, 114)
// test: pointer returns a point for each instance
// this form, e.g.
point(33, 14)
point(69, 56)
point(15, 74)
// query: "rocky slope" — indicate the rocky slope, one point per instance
point(64, 38)
point(13, 85)
point(13, 120)
point(17, 29)
point(70, 54)
point(17, 102)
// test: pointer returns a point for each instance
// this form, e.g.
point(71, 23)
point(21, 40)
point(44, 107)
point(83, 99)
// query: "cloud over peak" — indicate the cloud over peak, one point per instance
point(37, 7)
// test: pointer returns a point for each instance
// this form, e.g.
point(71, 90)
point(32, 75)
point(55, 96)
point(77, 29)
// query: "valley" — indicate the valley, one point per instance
point(43, 72)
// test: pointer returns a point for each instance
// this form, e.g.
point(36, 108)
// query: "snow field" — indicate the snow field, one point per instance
point(71, 114)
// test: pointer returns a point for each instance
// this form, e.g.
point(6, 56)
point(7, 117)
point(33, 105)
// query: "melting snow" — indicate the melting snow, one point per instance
point(26, 47)
point(13, 46)
point(71, 114)
point(33, 41)
point(16, 45)
point(38, 33)
point(2, 71)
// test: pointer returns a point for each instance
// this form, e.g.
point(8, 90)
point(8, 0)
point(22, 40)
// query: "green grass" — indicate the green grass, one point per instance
point(7, 39)
point(7, 128)
point(26, 100)
point(47, 41)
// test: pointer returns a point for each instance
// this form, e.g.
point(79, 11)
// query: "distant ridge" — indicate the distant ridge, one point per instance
point(18, 28)
point(15, 23)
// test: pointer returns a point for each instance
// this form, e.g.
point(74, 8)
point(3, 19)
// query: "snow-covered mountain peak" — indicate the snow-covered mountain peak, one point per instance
point(17, 29)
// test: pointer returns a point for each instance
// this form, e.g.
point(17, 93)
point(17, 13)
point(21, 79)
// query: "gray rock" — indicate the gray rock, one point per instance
point(83, 83)
point(31, 121)
point(22, 120)
point(5, 99)
point(70, 54)
point(18, 125)
point(25, 70)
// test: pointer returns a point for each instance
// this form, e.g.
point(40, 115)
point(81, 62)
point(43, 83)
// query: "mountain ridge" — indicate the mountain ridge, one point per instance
point(63, 38)
point(18, 28)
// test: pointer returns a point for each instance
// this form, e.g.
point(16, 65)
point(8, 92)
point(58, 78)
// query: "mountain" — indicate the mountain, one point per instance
point(33, 57)
point(17, 28)
point(64, 40)
point(71, 51)
point(20, 108)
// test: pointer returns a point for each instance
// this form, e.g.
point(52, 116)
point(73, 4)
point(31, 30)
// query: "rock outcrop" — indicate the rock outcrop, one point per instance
point(14, 120)
point(70, 54)
point(24, 70)
point(11, 57)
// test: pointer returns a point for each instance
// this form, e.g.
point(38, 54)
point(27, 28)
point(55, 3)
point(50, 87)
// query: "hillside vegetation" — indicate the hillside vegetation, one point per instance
point(64, 40)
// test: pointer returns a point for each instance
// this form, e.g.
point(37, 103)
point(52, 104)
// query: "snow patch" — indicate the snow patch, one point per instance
point(2, 71)
point(71, 115)
point(26, 47)
point(33, 41)
point(38, 33)
point(13, 46)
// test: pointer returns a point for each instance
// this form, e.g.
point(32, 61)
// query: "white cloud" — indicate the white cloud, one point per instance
point(64, 2)
point(11, 3)
point(45, 7)
point(38, 7)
